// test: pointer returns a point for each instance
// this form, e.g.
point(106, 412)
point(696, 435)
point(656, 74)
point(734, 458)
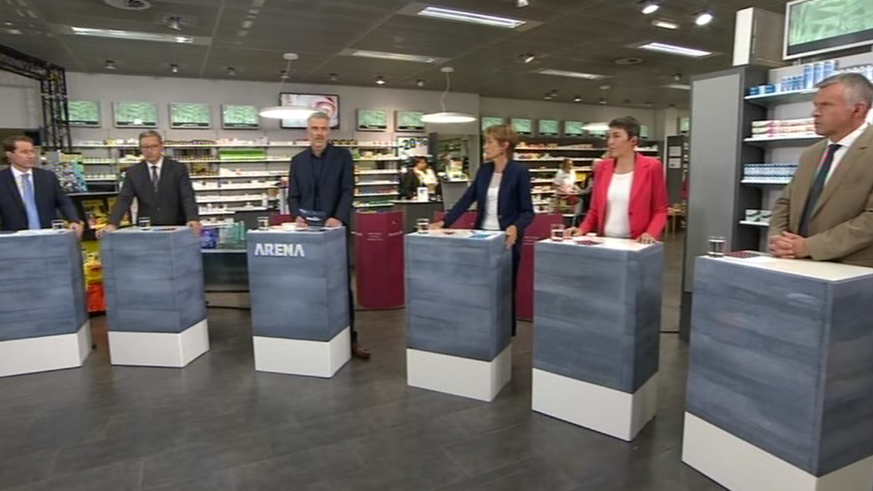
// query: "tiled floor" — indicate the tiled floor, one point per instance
point(219, 426)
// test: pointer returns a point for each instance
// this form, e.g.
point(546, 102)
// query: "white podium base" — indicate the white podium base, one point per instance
point(741, 466)
point(475, 379)
point(44, 354)
point(302, 357)
point(159, 349)
point(609, 411)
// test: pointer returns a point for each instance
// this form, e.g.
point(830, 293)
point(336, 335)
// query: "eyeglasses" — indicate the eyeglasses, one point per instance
point(149, 147)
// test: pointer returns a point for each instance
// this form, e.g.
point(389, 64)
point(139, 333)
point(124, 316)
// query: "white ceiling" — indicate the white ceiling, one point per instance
point(575, 35)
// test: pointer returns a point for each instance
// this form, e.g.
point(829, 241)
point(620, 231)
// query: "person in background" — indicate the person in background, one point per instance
point(30, 197)
point(826, 212)
point(420, 174)
point(502, 193)
point(565, 178)
point(629, 199)
point(322, 179)
point(161, 186)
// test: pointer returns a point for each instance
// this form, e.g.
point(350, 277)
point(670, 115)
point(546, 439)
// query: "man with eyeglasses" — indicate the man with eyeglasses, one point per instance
point(161, 186)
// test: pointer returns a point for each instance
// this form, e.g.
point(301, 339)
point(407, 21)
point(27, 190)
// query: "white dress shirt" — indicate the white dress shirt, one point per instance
point(618, 206)
point(160, 164)
point(17, 174)
point(845, 144)
point(491, 221)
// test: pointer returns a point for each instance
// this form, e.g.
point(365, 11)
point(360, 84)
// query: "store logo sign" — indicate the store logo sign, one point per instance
point(279, 250)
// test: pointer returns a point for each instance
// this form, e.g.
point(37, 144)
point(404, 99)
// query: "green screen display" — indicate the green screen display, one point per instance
point(409, 121)
point(372, 119)
point(240, 117)
point(522, 126)
point(684, 125)
point(573, 128)
point(817, 20)
point(136, 115)
point(84, 113)
point(488, 122)
point(548, 127)
point(183, 115)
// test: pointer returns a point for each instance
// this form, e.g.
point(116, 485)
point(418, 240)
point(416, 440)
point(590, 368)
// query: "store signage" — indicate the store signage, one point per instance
point(279, 250)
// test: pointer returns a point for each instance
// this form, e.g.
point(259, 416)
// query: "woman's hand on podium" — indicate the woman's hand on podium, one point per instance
point(573, 232)
point(105, 230)
point(647, 239)
point(437, 225)
point(511, 236)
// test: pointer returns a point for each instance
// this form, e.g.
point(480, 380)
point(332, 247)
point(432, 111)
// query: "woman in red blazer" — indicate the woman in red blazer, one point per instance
point(629, 200)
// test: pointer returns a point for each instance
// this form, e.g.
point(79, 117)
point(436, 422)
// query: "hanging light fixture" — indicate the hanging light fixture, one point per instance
point(286, 112)
point(445, 117)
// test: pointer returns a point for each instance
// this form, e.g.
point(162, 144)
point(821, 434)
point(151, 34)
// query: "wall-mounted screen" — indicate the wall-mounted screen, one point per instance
point(573, 128)
point(522, 126)
point(372, 120)
point(820, 26)
point(190, 115)
point(684, 125)
point(548, 127)
point(135, 115)
point(325, 103)
point(84, 113)
point(408, 121)
point(238, 117)
point(489, 121)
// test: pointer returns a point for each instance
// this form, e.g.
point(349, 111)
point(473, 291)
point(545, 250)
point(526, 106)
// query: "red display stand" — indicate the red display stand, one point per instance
point(540, 229)
point(379, 260)
point(466, 222)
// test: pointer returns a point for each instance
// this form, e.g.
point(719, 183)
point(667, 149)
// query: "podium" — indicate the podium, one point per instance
point(596, 334)
point(780, 383)
point(298, 281)
point(43, 320)
point(154, 296)
point(458, 314)
point(379, 260)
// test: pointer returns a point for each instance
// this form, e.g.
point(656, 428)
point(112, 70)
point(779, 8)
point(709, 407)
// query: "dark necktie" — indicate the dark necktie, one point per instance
point(155, 177)
point(817, 188)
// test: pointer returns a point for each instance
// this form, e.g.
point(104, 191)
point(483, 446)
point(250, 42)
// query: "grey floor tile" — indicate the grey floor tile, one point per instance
point(123, 476)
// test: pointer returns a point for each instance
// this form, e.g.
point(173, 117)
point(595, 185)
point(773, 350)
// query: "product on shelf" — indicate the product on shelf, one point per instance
point(767, 173)
point(758, 216)
point(787, 128)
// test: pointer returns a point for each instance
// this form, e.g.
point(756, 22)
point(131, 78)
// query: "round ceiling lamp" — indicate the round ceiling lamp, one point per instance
point(446, 117)
point(286, 112)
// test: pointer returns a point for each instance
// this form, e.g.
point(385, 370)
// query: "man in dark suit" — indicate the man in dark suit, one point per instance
point(30, 197)
point(322, 179)
point(161, 186)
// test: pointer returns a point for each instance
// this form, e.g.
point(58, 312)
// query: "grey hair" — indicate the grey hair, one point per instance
point(318, 115)
point(858, 89)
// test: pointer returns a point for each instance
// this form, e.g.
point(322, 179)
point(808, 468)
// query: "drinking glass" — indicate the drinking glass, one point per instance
point(145, 223)
point(558, 232)
point(423, 225)
point(263, 223)
point(59, 225)
point(716, 247)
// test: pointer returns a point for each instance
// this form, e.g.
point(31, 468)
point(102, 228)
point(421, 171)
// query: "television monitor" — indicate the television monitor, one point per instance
point(489, 121)
point(325, 103)
point(372, 120)
point(548, 127)
point(574, 128)
point(239, 117)
point(522, 126)
point(190, 116)
point(136, 115)
point(409, 121)
point(814, 27)
point(84, 113)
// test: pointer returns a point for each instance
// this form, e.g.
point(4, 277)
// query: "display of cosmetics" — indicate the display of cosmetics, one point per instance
point(813, 73)
point(536, 146)
point(775, 173)
point(233, 142)
point(783, 128)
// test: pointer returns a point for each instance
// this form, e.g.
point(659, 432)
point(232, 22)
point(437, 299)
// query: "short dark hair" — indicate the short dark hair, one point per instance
point(629, 124)
point(146, 134)
point(9, 143)
point(419, 160)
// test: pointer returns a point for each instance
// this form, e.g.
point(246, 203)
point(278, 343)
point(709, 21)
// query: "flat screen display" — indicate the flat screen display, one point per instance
point(136, 115)
point(489, 121)
point(548, 127)
point(522, 126)
point(240, 117)
point(326, 103)
point(820, 26)
point(573, 128)
point(84, 113)
point(409, 120)
point(190, 115)
point(372, 120)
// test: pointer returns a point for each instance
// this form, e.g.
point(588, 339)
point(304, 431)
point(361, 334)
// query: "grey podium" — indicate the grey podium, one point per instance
point(299, 283)
point(597, 323)
point(458, 312)
point(155, 302)
point(43, 319)
point(780, 383)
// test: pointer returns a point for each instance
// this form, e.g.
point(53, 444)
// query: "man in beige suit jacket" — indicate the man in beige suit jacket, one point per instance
point(826, 212)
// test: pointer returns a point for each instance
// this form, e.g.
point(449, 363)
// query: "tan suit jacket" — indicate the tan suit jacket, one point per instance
point(841, 227)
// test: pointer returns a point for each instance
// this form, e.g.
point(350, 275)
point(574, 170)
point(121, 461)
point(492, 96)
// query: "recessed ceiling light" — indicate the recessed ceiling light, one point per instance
point(675, 50)
point(704, 18)
point(578, 98)
point(174, 68)
point(109, 65)
point(628, 61)
point(132, 35)
point(473, 17)
point(528, 57)
point(665, 24)
point(334, 77)
point(380, 80)
point(565, 73)
point(419, 83)
point(522, 3)
point(174, 22)
point(650, 7)
point(382, 55)
point(231, 71)
point(677, 86)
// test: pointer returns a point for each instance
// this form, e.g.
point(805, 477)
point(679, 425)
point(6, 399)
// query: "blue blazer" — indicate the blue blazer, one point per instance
point(50, 198)
point(514, 202)
point(335, 186)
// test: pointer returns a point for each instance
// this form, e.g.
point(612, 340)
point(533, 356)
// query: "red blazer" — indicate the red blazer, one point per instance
point(648, 205)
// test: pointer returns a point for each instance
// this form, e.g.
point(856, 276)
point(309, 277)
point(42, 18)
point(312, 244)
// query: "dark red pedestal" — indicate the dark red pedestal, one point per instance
point(540, 229)
point(379, 260)
point(466, 222)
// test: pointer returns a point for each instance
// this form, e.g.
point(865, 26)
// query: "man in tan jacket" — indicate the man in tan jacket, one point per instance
point(826, 212)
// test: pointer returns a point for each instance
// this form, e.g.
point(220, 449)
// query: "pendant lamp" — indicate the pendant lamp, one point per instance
point(446, 117)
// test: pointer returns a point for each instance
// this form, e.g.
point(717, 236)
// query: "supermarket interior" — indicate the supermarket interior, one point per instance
point(552, 245)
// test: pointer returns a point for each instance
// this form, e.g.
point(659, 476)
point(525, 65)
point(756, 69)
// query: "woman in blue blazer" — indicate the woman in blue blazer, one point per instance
point(501, 191)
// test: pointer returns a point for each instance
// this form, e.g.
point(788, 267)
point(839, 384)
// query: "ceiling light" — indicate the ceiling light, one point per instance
point(284, 75)
point(665, 24)
point(390, 56)
point(174, 68)
point(131, 35)
point(528, 57)
point(286, 112)
point(602, 101)
point(677, 77)
point(174, 23)
point(109, 65)
point(547, 97)
point(419, 83)
point(231, 71)
point(675, 50)
point(577, 99)
point(522, 3)
point(445, 117)
point(650, 7)
point(564, 73)
point(380, 80)
point(473, 17)
point(704, 18)
point(334, 77)
point(677, 86)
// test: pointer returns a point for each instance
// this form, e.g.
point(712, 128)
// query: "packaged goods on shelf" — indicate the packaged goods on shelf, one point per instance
point(768, 173)
point(783, 128)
